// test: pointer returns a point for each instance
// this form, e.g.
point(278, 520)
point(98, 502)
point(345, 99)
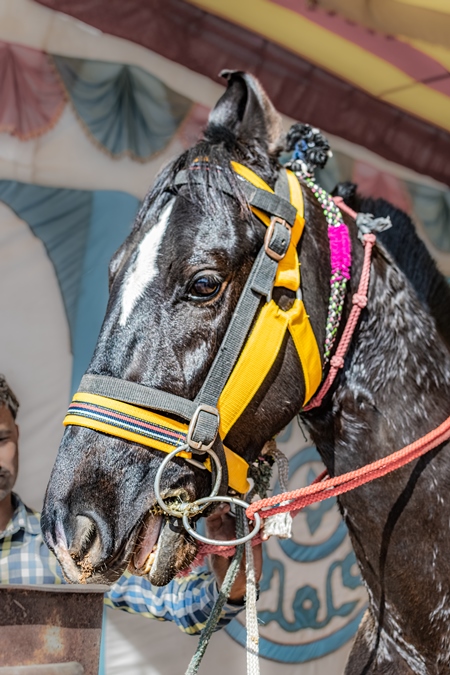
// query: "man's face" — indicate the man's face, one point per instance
point(9, 460)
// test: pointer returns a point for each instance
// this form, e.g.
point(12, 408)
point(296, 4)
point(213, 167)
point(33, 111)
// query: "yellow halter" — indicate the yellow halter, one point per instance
point(257, 357)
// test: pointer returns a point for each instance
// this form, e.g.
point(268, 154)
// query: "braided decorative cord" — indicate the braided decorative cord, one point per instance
point(340, 258)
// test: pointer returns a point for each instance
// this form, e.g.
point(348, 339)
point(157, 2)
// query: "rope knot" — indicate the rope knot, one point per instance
point(337, 361)
point(360, 300)
point(369, 238)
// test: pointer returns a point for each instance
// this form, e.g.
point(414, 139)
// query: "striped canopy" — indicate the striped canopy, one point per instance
point(372, 73)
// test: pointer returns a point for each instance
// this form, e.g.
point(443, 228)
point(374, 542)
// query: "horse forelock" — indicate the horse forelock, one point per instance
point(211, 157)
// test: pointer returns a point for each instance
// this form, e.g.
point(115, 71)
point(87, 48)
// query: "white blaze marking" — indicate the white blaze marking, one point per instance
point(145, 268)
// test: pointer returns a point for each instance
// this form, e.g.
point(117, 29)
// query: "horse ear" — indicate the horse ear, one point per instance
point(246, 110)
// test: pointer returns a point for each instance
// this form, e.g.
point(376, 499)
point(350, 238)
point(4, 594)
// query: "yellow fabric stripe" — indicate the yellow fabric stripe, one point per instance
point(128, 409)
point(237, 466)
point(253, 366)
point(433, 5)
point(265, 340)
point(259, 354)
point(288, 273)
point(251, 176)
point(262, 215)
point(112, 430)
point(335, 54)
point(237, 471)
point(306, 344)
point(296, 195)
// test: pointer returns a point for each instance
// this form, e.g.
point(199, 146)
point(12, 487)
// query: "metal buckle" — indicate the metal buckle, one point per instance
point(198, 445)
point(271, 253)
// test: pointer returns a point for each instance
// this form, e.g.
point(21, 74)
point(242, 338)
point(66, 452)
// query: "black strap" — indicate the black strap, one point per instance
point(147, 397)
point(271, 203)
point(137, 394)
point(258, 287)
point(282, 186)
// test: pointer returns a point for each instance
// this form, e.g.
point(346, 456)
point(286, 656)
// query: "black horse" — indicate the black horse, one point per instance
point(174, 284)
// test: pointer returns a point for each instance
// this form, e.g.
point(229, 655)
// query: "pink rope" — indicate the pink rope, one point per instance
point(359, 301)
point(209, 549)
point(324, 488)
point(343, 207)
point(228, 551)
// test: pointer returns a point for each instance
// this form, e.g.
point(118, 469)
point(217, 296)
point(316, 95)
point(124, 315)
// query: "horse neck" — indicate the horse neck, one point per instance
point(395, 388)
point(396, 383)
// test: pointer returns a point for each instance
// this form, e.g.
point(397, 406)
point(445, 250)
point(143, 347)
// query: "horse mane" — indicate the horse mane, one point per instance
point(409, 253)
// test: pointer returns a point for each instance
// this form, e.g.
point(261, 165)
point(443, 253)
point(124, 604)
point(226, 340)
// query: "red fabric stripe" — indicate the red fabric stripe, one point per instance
point(411, 61)
point(126, 418)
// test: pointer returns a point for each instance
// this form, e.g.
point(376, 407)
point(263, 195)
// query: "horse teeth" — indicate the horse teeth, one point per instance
point(150, 560)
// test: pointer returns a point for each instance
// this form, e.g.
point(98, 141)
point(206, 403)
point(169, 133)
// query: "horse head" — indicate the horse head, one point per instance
point(174, 285)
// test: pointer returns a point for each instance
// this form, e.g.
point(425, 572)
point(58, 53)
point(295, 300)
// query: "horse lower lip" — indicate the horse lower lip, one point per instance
point(147, 544)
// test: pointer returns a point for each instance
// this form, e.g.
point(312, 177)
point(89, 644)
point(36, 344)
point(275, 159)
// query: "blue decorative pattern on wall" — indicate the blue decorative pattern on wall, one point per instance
point(312, 599)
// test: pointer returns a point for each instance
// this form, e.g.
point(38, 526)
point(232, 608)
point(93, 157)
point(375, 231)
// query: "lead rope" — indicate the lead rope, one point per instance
point(222, 598)
point(251, 618)
point(281, 524)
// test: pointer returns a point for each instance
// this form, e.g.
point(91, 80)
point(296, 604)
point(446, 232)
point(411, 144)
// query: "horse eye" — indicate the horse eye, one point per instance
point(204, 287)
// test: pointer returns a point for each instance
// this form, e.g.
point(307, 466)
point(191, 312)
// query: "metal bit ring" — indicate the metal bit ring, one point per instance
point(186, 508)
point(217, 542)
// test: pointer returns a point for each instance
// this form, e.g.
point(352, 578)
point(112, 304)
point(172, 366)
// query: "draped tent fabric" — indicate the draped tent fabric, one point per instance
point(309, 70)
point(35, 351)
point(425, 20)
point(32, 97)
point(125, 109)
point(387, 69)
point(60, 218)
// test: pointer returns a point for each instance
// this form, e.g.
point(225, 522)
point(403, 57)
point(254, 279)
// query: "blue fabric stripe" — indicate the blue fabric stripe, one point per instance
point(80, 230)
point(126, 109)
point(102, 415)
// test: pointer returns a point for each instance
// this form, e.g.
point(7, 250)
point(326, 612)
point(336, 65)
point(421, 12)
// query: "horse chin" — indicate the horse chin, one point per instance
point(163, 549)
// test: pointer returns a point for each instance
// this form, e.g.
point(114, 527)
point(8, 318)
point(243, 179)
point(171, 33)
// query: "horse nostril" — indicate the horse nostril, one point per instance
point(85, 538)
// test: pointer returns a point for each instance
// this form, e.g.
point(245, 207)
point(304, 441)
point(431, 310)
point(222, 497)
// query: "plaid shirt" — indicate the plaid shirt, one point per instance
point(25, 559)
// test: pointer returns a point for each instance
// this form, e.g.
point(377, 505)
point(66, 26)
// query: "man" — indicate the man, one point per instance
point(24, 558)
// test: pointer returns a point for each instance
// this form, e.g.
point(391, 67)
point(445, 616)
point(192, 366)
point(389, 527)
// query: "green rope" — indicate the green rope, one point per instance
point(222, 598)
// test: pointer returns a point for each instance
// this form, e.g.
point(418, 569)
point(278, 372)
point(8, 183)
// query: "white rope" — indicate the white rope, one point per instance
point(279, 525)
point(251, 611)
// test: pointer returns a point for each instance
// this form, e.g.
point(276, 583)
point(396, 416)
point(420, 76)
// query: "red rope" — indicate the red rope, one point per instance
point(359, 301)
point(323, 488)
point(331, 487)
